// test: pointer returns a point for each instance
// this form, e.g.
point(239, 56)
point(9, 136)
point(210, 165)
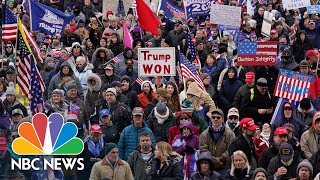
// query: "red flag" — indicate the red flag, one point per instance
point(147, 19)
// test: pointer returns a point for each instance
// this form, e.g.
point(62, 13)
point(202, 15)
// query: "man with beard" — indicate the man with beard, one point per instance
point(244, 141)
point(129, 70)
point(129, 136)
point(69, 37)
point(140, 159)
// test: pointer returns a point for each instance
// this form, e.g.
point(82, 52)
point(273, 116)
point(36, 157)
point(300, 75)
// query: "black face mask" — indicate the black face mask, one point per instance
point(80, 69)
point(286, 57)
point(76, 12)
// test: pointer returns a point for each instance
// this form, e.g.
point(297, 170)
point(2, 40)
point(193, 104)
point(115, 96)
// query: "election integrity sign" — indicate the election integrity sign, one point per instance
point(172, 11)
point(156, 62)
point(257, 53)
point(292, 85)
point(225, 15)
point(295, 4)
point(194, 8)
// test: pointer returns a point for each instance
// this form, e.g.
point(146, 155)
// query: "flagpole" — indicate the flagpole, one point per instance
point(2, 43)
point(317, 66)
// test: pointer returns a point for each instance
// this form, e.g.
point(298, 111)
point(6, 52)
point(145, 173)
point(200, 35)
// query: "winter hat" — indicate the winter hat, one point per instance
point(72, 116)
point(307, 164)
point(161, 107)
point(259, 170)
point(11, 90)
point(58, 91)
point(125, 78)
point(305, 103)
point(112, 90)
point(203, 76)
point(48, 59)
point(72, 85)
point(109, 147)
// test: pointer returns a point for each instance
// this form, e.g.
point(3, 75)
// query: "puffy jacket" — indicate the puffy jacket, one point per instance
point(198, 175)
point(194, 90)
point(129, 140)
point(120, 115)
point(93, 93)
point(83, 76)
point(110, 133)
point(275, 164)
point(219, 149)
point(310, 140)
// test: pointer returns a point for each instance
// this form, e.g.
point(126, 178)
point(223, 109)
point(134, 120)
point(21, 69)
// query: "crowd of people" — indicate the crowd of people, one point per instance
point(167, 127)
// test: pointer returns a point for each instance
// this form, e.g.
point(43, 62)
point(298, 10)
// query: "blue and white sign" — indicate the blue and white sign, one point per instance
point(194, 8)
point(172, 11)
point(313, 9)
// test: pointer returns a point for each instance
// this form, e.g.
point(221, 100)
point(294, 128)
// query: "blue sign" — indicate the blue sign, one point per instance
point(47, 19)
point(313, 9)
point(234, 31)
point(172, 11)
point(194, 8)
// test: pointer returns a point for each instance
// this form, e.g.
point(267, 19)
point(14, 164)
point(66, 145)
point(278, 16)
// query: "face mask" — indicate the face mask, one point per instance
point(80, 69)
point(232, 125)
point(288, 163)
point(51, 65)
point(286, 57)
point(76, 12)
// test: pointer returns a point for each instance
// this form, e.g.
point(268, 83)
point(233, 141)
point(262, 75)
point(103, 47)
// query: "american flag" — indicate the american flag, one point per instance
point(134, 4)
point(193, 52)
point(120, 9)
point(188, 71)
point(9, 26)
point(118, 58)
point(33, 44)
point(139, 80)
point(257, 48)
point(29, 79)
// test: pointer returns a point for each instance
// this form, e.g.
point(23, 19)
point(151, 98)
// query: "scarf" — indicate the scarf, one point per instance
point(265, 135)
point(210, 70)
point(95, 148)
point(161, 118)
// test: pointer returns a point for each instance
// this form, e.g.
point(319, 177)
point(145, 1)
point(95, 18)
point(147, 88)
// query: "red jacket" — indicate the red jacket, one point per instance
point(315, 88)
point(143, 100)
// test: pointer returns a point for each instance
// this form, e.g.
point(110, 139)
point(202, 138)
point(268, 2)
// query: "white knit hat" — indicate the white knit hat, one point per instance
point(11, 90)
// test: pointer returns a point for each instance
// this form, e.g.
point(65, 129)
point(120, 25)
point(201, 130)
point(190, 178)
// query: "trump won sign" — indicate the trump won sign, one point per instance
point(257, 53)
point(292, 85)
point(156, 62)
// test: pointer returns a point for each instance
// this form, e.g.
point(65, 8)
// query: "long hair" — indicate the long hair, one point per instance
point(175, 98)
point(165, 151)
point(239, 153)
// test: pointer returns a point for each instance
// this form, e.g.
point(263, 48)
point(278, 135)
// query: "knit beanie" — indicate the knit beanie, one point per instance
point(72, 85)
point(142, 84)
point(203, 76)
point(58, 91)
point(109, 147)
point(48, 59)
point(161, 107)
point(305, 103)
point(259, 170)
point(307, 164)
point(11, 90)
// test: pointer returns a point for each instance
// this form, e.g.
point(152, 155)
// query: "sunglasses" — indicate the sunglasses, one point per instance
point(233, 117)
point(215, 117)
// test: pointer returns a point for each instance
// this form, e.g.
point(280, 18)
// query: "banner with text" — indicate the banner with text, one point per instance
point(292, 85)
point(194, 8)
point(313, 9)
point(295, 4)
point(172, 11)
point(257, 53)
point(266, 24)
point(156, 62)
point(225, 15)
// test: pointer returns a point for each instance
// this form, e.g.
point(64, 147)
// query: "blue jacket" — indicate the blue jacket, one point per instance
point(129, 140)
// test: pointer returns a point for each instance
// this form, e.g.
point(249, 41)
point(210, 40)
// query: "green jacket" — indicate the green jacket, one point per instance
point(199, 122)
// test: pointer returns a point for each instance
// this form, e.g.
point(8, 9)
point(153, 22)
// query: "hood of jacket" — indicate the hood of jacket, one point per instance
point(205, 156)
point(186, 124)
point(179, 114)
point(108, 52)
point(232, 80)
point(282, 112)
point(194, 89)
point(98, 84)
point(66, 63)
point(315, 117)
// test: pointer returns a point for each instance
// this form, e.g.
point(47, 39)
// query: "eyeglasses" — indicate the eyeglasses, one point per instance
point(215, 117)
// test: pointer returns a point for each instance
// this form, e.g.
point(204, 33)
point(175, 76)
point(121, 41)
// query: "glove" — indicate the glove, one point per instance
point(189, 149)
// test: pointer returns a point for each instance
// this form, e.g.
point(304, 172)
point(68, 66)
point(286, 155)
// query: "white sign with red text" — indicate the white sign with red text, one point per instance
point(156, 62)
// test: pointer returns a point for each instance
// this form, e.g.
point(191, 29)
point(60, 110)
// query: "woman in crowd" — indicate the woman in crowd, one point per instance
point(147, 94)
point(56, 104)
point(240, 168)
point(173, 91)
point(93, 94)
point(205, 168)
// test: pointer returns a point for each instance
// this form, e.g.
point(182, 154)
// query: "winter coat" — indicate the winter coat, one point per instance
point(194, 90)
point(251, 105)
point(129, 140)
point(50, 108)
point(93, 93)
point(310, 142)
point(259, 20)
point(109, 79)
point(314, 160)
point(167, 172)
point(236, 129)
point(211, 91)
point(117, 47)
point(138, 165)
point(275, 164)
point(83, 76)
point(176, 37)
point(192, 140)
point(133, 75)
point(57, 79)
point(229, 88)
point(261, 143)
point(313, 35)
point(151, 106)
point(266, 156)
point(306, 119)
point(121, 66)
point(270, 74)
point(244, 175)
point(198, 175)
point(300, 48)
point(161, 131)
point(132, 98)
point(110, 133)
point(97, 61)
point(120, 115)
point(240, 97)
point(104, 170)
point(291, 64)
point(77, 106)
point(15, 105)
point(143, 100)
point(219, 149)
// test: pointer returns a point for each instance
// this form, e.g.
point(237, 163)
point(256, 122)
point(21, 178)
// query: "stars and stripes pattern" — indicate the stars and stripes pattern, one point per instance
point(134, 4)
point(192, 50)
point(33, 44)
point(28, 77)
point(139, 81)
point(120, 9)
point(9, 26)
point(257, 48)
point(189, 71)
point(118, 58)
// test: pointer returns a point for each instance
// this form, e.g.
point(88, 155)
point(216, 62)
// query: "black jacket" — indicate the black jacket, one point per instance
point(132, 98)
point(315, 161)
point(266, 156)
point(167, 172)
point(240, 143)
point(120, 115)
point(110, 133)
point(276, 163)
point(241, 175)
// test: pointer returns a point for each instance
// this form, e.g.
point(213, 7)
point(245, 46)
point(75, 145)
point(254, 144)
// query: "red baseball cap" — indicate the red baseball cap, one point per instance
point(287, 105)
point(281, 131)
point(250, 77)
point(273, 31)
point(248, 123)
point(95, 128)
point(3, 143)
point(312, 53)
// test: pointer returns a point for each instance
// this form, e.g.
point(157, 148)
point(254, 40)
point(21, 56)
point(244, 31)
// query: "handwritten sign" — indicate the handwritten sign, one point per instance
point(295, 4)
point(313, 9)
point(266, 24)
point(225, 15)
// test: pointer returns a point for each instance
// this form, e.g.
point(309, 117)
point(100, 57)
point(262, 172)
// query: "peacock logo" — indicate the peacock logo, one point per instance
point(47, 136)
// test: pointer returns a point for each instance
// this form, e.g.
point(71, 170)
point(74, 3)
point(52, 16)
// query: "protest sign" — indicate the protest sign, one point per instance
point(225, 15)
point(292, 85)
point(234, 31)
point(313, 9)
point(172, 11)
point(257, 53)
point(194, 8)
point(266, 24)
point(295, 4)
point(156, 62)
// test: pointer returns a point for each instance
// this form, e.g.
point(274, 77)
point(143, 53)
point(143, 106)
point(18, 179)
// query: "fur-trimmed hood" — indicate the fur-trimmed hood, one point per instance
point(98, 85)
point(109, 53)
